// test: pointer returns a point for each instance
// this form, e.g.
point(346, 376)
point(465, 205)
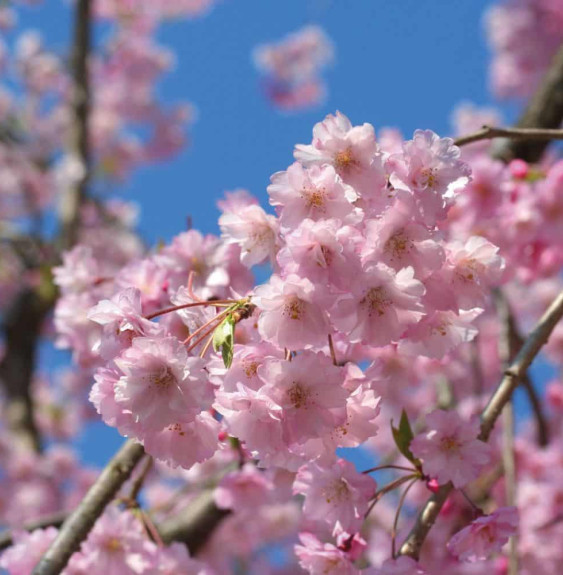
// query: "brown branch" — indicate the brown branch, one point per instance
point(78, 149)
point(545, 110)
point(535, 340)
point(194, 525)
point(80, 522)
point(526, 134)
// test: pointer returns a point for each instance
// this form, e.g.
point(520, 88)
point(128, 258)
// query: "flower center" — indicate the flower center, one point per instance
point(294, 308)
point(336, 491)
point(450, 444)
point(429, 177)
point(376, 300)
point(344, 160)
point(398, 245)
point(315, 197)
point(298, 395)
point(164, 378)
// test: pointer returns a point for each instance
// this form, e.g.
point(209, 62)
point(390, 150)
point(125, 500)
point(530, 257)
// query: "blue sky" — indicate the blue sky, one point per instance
point(405, 63)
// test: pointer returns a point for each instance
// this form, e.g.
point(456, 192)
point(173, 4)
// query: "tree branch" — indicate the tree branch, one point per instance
point(527, 134)
point(535, 340)
point(80, 522)
point(79, 150)
point(195, 524)
point(545, 110)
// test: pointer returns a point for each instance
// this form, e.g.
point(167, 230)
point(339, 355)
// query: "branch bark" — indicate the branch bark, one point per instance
point(545, 110)
point(195, 524)
point(534, 342)
point(80, 522)
point(78, 149)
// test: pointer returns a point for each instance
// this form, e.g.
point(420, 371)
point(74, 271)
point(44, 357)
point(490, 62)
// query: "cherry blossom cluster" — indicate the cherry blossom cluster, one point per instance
point(524, 36)
point(364, 284)
point(292, 68)
point(118, 545)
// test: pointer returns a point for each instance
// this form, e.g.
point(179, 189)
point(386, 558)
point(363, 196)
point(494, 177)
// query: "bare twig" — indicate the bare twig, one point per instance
point(526, 134)
point(80, 522)
point(536, 339)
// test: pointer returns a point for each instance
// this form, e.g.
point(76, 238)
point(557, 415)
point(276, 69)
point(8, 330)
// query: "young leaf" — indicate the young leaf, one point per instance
point(224, 338)
point(403, 436)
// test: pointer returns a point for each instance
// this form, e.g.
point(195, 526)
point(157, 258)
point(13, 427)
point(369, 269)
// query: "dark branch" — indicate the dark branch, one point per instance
point(78, 148)
point(195, 524)
point(545, 110)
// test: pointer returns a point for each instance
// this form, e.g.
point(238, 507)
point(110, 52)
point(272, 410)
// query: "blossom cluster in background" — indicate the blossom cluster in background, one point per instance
point(292, 68)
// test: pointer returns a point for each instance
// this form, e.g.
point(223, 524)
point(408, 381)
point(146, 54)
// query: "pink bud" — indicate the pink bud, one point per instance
point(519, 169)
point(222, 435)
point(433, 485)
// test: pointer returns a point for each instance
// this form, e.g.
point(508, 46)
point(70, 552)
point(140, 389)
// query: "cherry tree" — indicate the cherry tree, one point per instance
point(413, 281)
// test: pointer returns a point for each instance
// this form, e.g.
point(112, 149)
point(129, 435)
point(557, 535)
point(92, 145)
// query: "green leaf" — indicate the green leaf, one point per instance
point(403, 436)
point(224, 339)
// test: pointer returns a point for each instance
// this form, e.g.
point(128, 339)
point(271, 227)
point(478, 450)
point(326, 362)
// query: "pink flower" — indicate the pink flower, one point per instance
point(352, 150)
point(184, 443)
point(253, 230)
point(315, 193)
point(485, 535)
point(450, 451)
point(160, 384)
point(323, 252)
point(118, 545)
point(439, 333)
point(247, 488)
point(309, 391)
point(175, 560)
point(323, 558)
point(122, 320)
point(288, 317)
point(336, 495)
point(27, 550)
point(380, 306)
point(430, 168)
point(400, 566)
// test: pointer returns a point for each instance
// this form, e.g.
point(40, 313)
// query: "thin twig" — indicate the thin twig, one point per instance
point(527, 134)
point(397, 515)
point(80, 522)
point(534, 342)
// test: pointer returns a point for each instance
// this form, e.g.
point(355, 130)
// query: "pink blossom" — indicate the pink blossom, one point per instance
point(184, 443)
point(160, 384)
point(439, 333)
point(476, 266)
point(335, 494)
point(309, 391)
point(352, 150)
point(380, 306)
point(253, 230)
point(288, 315)
point(450, 450)
point(118, 545)
point(27, 550)
point(323, 252)
point(247, 488)
point(314, 193)
point(175, 560)
point(401, 566)
point(322, 558)
point(430, 168)
point(484, 536)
